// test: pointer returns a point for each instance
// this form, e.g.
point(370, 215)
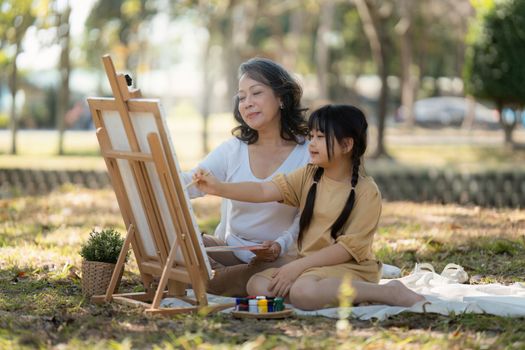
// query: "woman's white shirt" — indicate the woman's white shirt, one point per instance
point(244, 223)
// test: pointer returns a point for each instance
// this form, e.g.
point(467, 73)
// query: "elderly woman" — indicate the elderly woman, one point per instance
point(269, 139)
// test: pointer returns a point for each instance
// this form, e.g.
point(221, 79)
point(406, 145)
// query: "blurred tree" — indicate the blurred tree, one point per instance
point(16, 17)
point(334, 48)
point(374, 14)
point(54, 15)
point(327, 39)
point(229, 24)
point(63, 12)
point(212, 15)
point(439, 30)
point(4, 65)
point(306, 37)
point(292, 41)
point(322, 51)
point(494, 69)
point(117, 27)
point(409, 72)
point(237, 30)
point(281, 31)
point(349, 54)
point(430, 37)
point(278, 30)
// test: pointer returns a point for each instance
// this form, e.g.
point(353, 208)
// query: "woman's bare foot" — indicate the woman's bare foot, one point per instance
point(401, 295)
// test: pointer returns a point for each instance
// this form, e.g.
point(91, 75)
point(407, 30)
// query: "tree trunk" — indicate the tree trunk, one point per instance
point(382, 110)
point(322, 50)
point(508, 127)
point(408, 70)
point(231, 58)
point(242, 16)
point(207, 91)
point(65, 69)
point(14, 89)
point(291, 49)
point(470, 113)
point(373, 27)
point(277, 32)
point(508, 136)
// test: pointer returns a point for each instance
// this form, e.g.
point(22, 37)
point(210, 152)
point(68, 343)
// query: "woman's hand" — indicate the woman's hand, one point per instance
point(269, 253)
point(206, 182)
point(284, 277)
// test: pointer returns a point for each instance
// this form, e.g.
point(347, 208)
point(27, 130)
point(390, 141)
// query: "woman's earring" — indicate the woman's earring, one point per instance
point(281, 106)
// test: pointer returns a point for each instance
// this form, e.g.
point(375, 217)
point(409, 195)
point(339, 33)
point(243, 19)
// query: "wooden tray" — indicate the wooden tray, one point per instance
point(269, 315)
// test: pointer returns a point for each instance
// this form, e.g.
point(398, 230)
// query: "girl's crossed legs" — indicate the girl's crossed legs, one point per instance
point(313, 292)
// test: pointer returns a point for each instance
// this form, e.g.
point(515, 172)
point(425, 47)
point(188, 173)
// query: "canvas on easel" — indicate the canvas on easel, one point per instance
point(144, 172)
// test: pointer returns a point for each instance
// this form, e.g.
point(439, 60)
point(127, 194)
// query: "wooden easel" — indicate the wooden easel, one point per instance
point(144, 173)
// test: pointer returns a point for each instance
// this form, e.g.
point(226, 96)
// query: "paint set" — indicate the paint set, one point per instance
point(261, 307)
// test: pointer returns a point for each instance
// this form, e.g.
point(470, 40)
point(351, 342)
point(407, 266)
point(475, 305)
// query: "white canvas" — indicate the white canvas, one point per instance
point(143, 124)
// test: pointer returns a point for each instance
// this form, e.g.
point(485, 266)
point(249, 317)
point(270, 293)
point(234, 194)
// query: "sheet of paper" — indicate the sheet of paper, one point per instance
point(226, 248)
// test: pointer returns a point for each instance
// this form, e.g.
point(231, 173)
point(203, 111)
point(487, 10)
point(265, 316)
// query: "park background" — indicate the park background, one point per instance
point(441, 82)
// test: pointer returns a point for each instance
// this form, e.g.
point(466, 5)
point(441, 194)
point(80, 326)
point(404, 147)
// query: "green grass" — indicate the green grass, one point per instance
point(462, 157)
point(189, 152)
point(41, 305)
point(476, 150)
point(38, 148)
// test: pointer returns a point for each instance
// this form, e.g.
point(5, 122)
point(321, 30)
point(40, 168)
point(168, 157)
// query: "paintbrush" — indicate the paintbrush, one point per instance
point(195, 181)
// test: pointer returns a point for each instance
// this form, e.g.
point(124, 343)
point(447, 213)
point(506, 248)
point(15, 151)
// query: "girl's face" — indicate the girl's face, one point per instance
point(258, 105)
point(319, 151)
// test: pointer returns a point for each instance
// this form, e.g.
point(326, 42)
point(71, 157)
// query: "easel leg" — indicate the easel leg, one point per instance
point(199, 289)
point(120, 263)
point(164, 277)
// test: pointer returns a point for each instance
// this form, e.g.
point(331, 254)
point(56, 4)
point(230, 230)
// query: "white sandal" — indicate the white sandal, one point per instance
point(455, 273)
point(423, 267)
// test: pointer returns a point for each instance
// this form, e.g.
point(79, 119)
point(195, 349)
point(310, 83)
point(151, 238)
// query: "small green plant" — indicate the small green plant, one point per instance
point(102, 246)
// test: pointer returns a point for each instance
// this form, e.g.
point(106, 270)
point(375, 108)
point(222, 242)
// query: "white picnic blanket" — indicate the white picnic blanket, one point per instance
point(444, 295)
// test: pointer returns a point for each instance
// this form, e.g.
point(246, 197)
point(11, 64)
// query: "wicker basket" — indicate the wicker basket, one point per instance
point(96, 277)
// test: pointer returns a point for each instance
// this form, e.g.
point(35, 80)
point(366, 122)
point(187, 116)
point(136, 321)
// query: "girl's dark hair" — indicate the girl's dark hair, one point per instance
point(339, 122)
point(293, 121)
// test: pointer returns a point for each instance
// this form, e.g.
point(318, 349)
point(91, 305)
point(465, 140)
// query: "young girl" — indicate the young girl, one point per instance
point(340, 210)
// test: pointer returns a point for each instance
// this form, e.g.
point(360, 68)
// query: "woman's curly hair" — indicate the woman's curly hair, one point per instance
point(293, 121)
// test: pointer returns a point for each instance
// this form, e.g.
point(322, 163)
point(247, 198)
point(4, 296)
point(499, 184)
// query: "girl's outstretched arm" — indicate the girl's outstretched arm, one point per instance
point(255, 192)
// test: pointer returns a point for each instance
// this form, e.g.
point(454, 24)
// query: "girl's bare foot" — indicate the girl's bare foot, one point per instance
point(401, 295)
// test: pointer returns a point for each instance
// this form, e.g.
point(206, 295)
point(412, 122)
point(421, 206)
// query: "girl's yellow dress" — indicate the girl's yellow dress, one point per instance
point(358, 231)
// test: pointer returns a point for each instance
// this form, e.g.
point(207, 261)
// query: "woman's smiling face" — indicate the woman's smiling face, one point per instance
point(258, 104)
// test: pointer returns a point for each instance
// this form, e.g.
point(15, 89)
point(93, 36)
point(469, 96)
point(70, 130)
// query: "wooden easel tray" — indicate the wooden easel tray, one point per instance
point(268, 315)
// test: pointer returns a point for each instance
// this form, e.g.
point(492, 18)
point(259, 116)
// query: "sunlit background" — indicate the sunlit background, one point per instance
point(408, 64)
